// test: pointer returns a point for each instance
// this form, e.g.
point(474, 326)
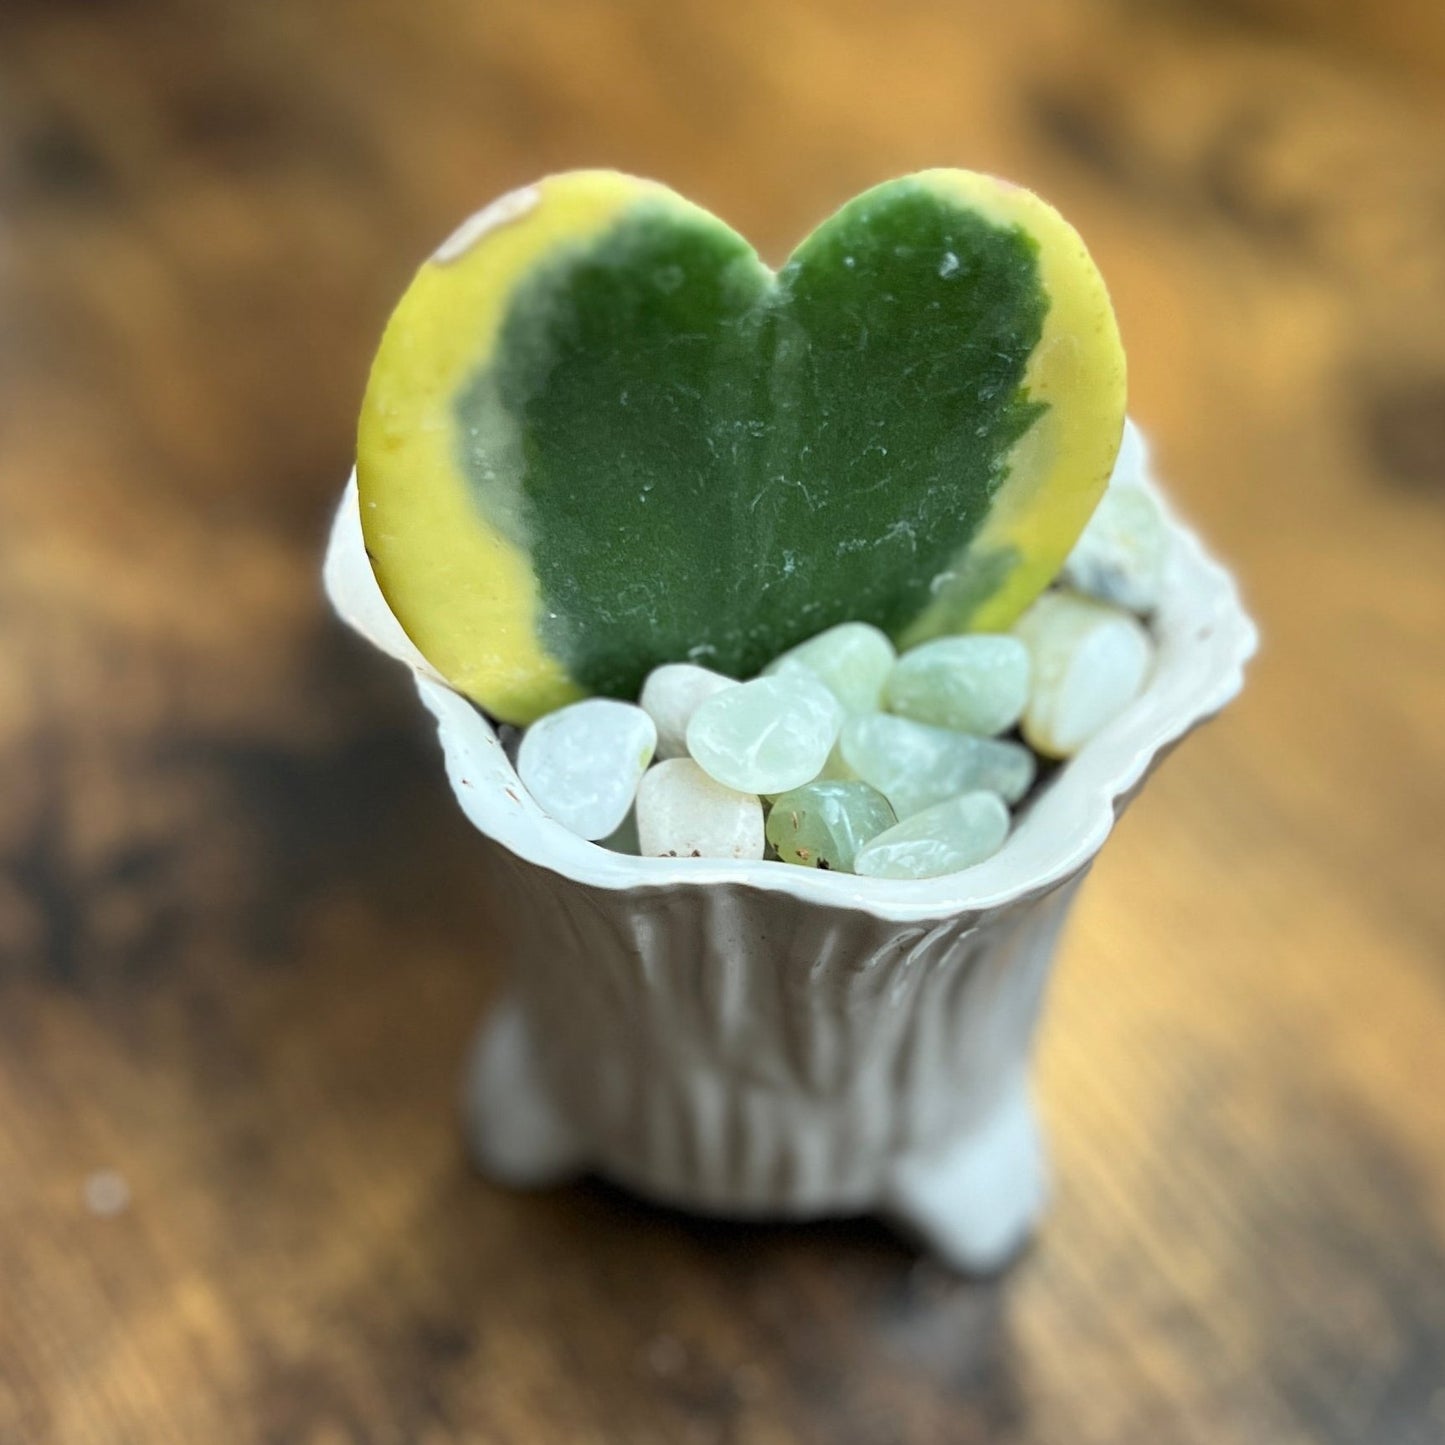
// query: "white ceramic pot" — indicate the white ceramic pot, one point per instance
point(754, 1040)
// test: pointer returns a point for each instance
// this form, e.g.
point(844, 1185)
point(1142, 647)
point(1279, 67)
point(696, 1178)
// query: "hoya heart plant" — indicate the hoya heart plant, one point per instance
point(602, 435)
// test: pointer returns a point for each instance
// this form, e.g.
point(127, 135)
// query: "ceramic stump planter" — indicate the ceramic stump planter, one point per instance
point(748, 1039)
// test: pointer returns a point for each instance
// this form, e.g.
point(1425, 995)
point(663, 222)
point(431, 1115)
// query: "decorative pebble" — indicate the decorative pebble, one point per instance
point(768, 735)
point(945, 838)
point(1090, 661)
point(915, 766)
point(583, 762)
point(975, 684)
point(670, 696)
point(683, 813)
point(851, 660)
point(823, 824)
point(1119, 556)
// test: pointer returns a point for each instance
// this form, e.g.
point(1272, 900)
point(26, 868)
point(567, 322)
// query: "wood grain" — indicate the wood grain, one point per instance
point(244, 934)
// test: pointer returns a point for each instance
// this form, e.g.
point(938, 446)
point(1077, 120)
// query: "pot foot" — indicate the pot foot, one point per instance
point(975, 1203)
point(515, 1134)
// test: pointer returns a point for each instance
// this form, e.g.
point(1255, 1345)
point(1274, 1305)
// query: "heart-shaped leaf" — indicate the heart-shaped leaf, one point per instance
point(601, 434)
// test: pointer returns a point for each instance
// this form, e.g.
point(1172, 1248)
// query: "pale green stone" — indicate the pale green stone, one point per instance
point(852, 660)
point(974, 684)
point(1090, 661)
point(914, 765)
point(823, 824)
point(945, 838)
point(768, 735)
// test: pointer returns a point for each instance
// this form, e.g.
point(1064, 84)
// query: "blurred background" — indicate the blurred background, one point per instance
point(244, 933)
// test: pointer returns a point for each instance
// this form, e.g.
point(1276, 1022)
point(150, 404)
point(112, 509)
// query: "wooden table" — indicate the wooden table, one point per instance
point(243, 928)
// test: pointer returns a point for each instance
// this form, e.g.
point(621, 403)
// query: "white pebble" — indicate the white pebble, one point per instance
point(1090, 661)
point(767, 735)
point(942, 839)
point(683, 813)
point(670, 696)
point(851, 660)
point(975, 684)
point(1120, 554)
point(582, 763)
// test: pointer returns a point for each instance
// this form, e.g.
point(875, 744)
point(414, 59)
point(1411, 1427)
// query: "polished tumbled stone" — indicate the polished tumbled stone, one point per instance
point(768, 735)
point(851, 660)
point(974, 684)
point(914, 765)
point(583, 762)
point(683, 813)
point(1090, 661)
point(670, 696)
point(945, 838)
point(823, 824)
point(1119, 557)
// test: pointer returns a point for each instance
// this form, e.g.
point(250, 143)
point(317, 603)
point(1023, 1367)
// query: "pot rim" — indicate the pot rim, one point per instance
point(1203, 639)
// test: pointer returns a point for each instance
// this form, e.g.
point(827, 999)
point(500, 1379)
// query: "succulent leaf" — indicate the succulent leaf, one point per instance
point(601, 435)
